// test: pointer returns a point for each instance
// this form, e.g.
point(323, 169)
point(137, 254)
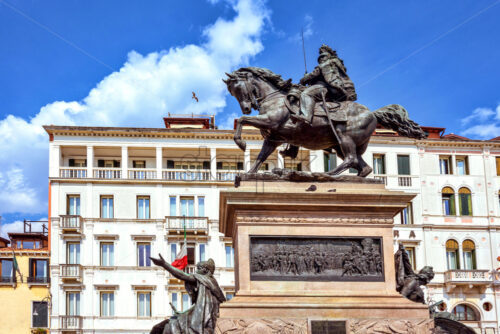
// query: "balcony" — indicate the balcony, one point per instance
point(107, 173)
point(6, 280)
point(381, 177)
point(71, 223)
point(71, 272)
point(71, 322)
point(228, 175)
point(141, 174)
point(192, 224)
point(73, 172)
point(404, 181)
point(468, 278)
point(38, 280)
point(186, 175)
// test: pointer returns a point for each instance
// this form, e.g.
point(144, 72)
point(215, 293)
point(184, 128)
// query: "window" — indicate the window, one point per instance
point(201, 206)
point(497, 159)
point(462, 165)
point(465, 313)
point(7, 270)
point(202, 253)
point(73, 303)
point(107, 254)
point(38, 271)
point(448, 200)
point(452, 255)
point(444, 165)
point(107, 304)
point(143, 254)
point(190, 255)
point(173, 206)
point(293, 166)
point(187, 210)
point(139, 164)
point(173, 252)
point(411, 255)
point(174, 300)
point(469, 251)
point(229, 256)
point(73, 205)
point(73, 253)
point(465, 202)
point(403, 165)
point(143, 208)
point(107, 207)
point(28, 245)
point(378, 164)
point(186, 302)
point(77, 163)
point(144, 304)
point(407, 215)
point(39, 315)
point(330, 161)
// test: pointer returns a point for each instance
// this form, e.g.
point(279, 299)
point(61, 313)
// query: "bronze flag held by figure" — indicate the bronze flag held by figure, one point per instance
point(321, 116)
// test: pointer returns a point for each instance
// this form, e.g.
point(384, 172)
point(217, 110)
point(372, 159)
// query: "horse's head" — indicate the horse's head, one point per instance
point(241, 86)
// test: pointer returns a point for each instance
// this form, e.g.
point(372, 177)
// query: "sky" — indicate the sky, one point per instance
point(129, 63)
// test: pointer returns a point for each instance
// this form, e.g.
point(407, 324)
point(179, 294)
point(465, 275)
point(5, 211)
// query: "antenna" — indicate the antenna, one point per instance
point(303, 49)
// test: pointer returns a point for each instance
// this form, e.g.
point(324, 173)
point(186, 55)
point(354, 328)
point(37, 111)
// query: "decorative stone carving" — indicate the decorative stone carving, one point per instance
point(316, 259)
point(316, 220)
point(261, 326)
point(391, 326)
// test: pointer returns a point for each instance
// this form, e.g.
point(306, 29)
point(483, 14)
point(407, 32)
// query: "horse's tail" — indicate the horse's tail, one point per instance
point(395, 117)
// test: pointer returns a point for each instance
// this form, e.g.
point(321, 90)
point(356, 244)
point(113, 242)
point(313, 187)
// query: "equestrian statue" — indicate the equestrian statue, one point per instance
point(319, 113)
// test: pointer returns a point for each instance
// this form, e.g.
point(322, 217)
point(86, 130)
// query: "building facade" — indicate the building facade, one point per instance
point(24, 284)
point(119, 195)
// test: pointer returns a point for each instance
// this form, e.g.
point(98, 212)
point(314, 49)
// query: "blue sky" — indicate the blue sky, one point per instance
point(110, 62)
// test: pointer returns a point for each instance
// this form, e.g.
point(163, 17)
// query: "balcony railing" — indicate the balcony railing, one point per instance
point(191, 223)
point(71, 222)
point(381, 177)
point(6, 279)
point(107, 173)
point(468, 276)
point(404, 181)
point(190, 269)
point(71, 321)
point(73, 172)
point(141, 174)
point(38, 280)
point(71, 271)
point(227, 175)
point(186, 175)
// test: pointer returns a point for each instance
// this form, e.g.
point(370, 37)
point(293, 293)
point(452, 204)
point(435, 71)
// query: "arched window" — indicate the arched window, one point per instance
point(469, 250)
point(448, 198)
point(465, 202)
point(465, 313)
point(452, 254)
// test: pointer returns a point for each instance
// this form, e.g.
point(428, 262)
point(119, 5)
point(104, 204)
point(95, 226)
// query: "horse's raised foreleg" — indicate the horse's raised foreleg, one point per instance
point(363, 168)
point(267, 149)
point(259, 121)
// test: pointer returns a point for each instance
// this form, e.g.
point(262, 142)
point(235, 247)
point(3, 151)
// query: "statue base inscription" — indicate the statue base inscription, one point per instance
point(303, 256)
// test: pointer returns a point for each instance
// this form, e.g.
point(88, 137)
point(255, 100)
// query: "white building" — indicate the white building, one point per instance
point(117, 195)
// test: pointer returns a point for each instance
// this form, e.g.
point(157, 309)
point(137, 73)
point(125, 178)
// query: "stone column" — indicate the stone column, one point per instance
point(246, 160)
point(55, 160)
point(124, 162)
point(213, 163)
point(453, 167)
point(90, 161)
point(159, 162)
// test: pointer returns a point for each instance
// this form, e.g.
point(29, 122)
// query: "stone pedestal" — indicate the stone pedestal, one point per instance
point(331, 223)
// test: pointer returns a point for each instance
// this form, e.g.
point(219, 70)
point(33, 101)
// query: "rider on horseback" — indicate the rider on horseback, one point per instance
point(328, 77)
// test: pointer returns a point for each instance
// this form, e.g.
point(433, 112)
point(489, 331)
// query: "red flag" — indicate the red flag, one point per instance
point(181, 260)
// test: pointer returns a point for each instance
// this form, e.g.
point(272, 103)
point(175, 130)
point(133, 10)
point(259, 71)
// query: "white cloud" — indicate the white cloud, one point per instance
point(18, 226)
point(483, 123)
point(144, 89)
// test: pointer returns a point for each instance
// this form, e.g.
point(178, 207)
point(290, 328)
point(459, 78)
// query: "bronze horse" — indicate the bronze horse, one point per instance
point(262, 90)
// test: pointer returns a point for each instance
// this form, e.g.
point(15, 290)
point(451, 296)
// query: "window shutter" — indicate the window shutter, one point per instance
point(206, 164)
point(85, 163)
point(239, 165)
point(299, 166)
point(403, 165)
point(71, 162)
point(116, 163)
point(133, 164)
point(170, 164)
point(219, 164)
point(31, 268)
point(100, 163)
